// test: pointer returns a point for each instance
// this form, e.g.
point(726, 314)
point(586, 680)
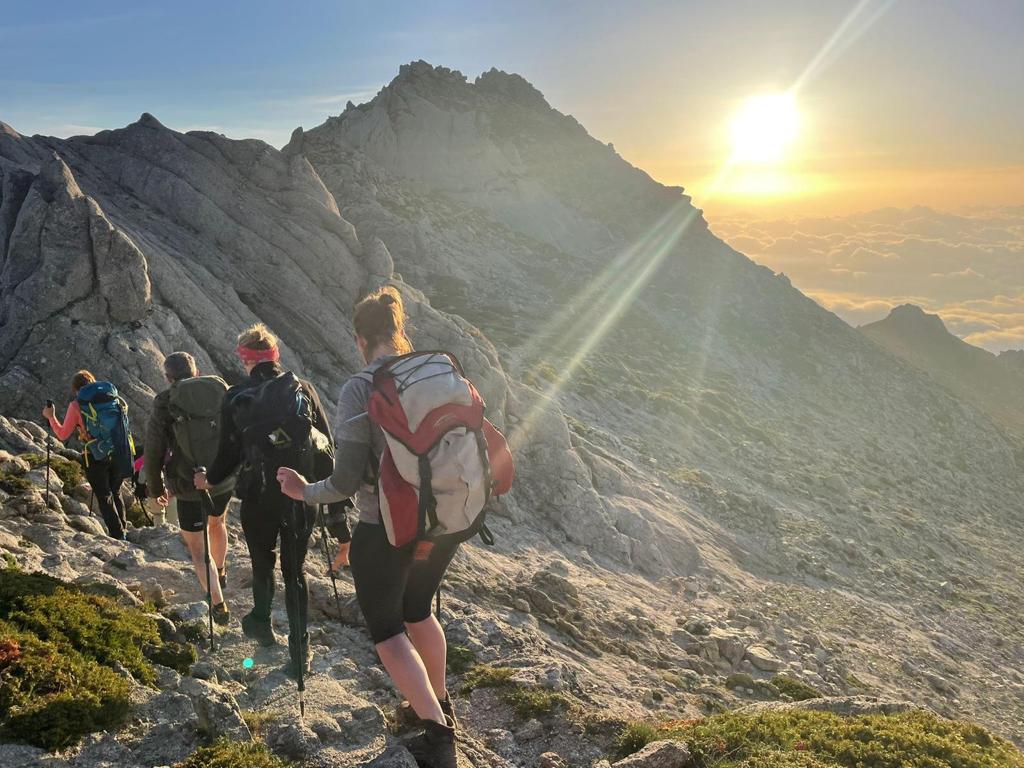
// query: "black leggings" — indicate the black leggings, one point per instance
point(391, 587)
point(262, 522)
point(106, 487)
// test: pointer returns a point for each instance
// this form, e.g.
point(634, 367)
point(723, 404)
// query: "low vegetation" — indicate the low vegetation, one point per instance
point(796, 690)
point(233, 754)
point(797, 739)
point(528, 701)
point(59, 645)
point(69, 472)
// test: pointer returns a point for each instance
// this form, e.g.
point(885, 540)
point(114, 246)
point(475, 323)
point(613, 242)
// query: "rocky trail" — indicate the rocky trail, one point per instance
point(585, 654)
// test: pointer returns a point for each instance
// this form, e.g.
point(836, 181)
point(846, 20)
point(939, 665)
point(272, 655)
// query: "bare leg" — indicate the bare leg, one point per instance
point(406, 668)
point(427, 637)
point(218, 541)
point(341, 559)
point(194, 541)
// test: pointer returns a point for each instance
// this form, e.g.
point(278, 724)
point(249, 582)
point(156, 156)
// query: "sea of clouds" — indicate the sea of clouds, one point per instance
point(966, 267)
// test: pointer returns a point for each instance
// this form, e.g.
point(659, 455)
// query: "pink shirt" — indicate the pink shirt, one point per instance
point(72, 421)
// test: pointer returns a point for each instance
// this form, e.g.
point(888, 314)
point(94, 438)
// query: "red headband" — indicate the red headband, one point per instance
point(254, 356)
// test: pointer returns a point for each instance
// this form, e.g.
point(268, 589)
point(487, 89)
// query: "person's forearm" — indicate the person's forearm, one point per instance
point(349, 467)
point(62, 431)
point(323, 492)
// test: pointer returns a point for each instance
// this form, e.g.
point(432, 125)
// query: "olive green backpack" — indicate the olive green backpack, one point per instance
point(195, 408)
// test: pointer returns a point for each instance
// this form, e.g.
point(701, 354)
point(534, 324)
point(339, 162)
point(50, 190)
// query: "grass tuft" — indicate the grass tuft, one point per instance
point(233, 754)
point(798, 739)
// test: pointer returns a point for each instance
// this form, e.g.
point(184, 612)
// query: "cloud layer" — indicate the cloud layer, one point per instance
point(968, 268)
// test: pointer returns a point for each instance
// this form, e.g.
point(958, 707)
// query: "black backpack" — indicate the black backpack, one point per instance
point(275, 420)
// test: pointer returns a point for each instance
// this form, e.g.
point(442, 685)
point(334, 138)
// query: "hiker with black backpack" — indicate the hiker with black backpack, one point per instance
point(271, 420)
point(100, 418)
point(409, 528)
point(184, 433)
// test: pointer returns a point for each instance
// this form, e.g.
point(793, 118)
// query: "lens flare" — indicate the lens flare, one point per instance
point(248, 663)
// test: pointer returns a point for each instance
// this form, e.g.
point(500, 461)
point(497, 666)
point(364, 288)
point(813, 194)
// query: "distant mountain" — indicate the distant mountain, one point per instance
point(1013, 358)
point(994, 384)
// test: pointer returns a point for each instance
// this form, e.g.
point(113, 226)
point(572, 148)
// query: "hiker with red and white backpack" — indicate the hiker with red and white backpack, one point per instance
point(413, 447)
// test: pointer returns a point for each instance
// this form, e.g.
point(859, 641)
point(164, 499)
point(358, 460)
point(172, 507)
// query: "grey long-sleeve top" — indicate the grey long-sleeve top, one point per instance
point(357, 443)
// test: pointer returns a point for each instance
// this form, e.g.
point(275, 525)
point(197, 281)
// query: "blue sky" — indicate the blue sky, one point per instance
point(929, 86)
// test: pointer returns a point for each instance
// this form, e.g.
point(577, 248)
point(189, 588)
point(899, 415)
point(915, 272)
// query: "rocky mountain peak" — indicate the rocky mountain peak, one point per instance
point(910, 317)
point(511, 88)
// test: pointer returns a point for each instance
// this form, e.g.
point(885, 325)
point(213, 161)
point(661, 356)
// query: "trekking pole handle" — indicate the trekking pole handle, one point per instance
point(50, 403)
point(199, 468)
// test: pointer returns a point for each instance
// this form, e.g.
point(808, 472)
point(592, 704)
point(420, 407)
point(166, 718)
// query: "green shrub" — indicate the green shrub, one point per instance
point(634, 737)
point(57, 648)
point(97, 627)
point(460, 659)
point(233, 754)
point(485, 676)
point(797, 739)
point(258, 720)
point(51, 696)
point(797, 690)
point(177, 656)
point(137, 516)
point(69, 472)
point(527, 700)
point(14, 484)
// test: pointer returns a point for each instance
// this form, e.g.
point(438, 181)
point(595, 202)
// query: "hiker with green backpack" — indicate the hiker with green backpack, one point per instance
point(183, 433)
point(99, 416)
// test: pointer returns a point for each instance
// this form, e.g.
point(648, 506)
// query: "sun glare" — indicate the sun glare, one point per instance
point(764, 128)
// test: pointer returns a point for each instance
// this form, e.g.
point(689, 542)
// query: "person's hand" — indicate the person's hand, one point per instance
point(293, 485)
point(201, 482)
point(156, 505)
point(48, 412)
point(162, 501)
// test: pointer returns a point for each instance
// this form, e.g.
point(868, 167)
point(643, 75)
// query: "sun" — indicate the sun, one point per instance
point(764, 128)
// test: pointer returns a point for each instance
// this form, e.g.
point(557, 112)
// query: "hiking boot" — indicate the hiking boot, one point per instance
point(260, 631)
point(435, 747)
point(221, 614)
point(406, 717)
point(449, 709)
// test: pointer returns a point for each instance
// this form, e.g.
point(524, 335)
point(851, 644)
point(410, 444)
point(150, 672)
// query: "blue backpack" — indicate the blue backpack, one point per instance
point(105, 416)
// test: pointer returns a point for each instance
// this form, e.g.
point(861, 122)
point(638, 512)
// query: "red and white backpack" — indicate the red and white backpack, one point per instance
point(444, 460)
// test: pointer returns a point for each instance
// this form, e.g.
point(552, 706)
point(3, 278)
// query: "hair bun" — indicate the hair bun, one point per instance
point(387, 299)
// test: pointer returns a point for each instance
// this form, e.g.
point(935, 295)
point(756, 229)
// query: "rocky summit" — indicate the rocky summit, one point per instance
point(727, 498)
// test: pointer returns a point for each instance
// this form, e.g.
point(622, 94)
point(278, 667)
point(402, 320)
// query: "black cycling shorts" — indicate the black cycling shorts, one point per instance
point(392, 588)
point(190, 513)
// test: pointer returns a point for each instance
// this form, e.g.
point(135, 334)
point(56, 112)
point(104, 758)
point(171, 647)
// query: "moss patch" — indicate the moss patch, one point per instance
point(56, 678)
point(797, 690)
point(14, 484)
point(233, 754)
point(460, 659)
point(69, 472)
point(527, 700)
point(794, 739)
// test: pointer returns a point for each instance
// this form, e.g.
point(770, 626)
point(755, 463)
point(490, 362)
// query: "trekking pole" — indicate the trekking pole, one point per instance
point(327, 557)
point(204, 496)
point(49, 444)
point(300, 672)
